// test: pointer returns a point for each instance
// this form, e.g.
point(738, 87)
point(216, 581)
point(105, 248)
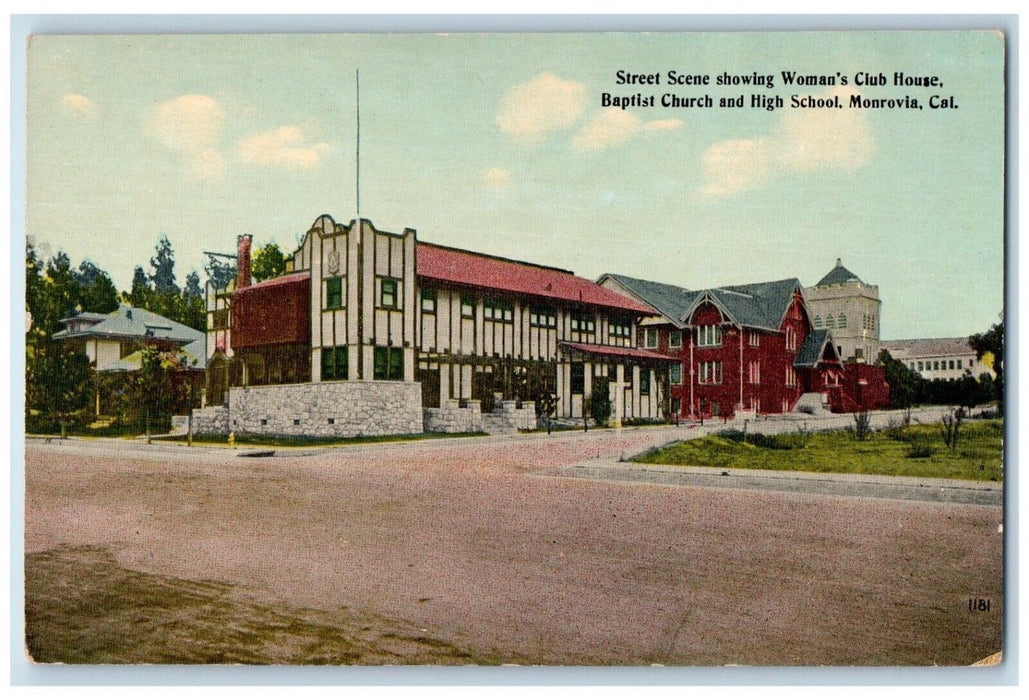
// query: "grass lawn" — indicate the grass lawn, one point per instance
point(918, 450)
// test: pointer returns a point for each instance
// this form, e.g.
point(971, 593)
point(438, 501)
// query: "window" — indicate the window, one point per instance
point(791, 338)
point(219, 319)
point(911, 366)
point(541, 317)
point(709, 336)
point(388, 364)
point(651, 337)
point(388, 294)
point(578, 378)
point(936, 364)
point(859, 353)
point(334, 293)
point(818, 321)
point(791, 376)
point(841, 322)
point(959, 364)
point(676, 405)
point(754, 338)
point(644, 380)
point(498, 310)
point(920, 366)
point(710, 372)
point(951, 364)
point(830, 321)
point(621, 332)
point(675, 373)
point(334, 363)
point(754, 372)
point(583, 323)
point(428, 301)
point(675, 339)
point(467, 306)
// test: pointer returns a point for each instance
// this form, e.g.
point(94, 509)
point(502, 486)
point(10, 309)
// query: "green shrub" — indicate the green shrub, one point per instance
point(920, 448)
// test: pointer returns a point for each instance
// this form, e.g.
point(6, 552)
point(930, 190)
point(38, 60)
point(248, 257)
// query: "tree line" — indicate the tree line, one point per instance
point(59, 381)
point(909, 388)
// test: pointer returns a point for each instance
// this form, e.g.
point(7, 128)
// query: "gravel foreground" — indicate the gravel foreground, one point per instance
point(465, 552)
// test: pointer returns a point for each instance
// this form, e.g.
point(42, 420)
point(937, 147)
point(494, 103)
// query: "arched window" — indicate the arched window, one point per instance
point(818, 321)
point(830, 322)
point(841, 322)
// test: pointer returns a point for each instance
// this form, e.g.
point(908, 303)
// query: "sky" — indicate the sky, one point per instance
point(502, 143)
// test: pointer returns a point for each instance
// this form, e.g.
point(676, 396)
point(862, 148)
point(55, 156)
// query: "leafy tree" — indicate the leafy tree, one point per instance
point(992, 341)
point(268, 262)
point(902, 381)
point(151, 386)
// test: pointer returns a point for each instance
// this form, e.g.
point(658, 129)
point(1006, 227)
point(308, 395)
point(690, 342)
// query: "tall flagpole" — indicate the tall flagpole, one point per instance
point(357, 82)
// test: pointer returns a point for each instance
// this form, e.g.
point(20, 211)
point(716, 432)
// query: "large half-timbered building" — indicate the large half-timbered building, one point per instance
point(366, 328)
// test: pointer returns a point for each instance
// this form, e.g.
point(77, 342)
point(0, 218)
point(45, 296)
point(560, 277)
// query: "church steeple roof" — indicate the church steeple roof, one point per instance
point(838, 275)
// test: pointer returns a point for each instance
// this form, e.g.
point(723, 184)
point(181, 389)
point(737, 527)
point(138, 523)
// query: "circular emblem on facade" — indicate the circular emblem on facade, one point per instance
point(333, 262)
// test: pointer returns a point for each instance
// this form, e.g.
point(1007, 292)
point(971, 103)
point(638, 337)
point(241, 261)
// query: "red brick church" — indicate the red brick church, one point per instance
point(748, 348)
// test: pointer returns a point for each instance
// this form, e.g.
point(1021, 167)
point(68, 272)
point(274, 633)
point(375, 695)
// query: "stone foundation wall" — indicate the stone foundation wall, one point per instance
point(179, 425)
point(507, 419)
point(451, 418)
point(211, 420)
point(328, 409)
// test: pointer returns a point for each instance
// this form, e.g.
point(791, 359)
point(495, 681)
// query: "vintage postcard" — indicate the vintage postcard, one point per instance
point(610, 349)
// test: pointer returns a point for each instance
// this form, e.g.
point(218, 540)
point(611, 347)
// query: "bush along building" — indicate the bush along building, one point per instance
point(748, 349)
point(373, 333)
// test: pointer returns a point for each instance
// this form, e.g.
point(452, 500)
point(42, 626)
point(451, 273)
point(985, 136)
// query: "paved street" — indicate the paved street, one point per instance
point(476, 548)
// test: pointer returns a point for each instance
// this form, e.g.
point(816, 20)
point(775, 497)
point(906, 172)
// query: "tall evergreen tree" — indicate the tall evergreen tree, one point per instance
point(141, 292)
point(163, 266)
point(193, 313)
point(96, 290)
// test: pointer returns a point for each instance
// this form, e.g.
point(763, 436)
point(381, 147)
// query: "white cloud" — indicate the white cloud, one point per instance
point(731, 166)
point(192, 125)
point(805, 140)
point(285, 146)
point(80, 106)
point(530, 110)
point(496, 179)
point(614, 126)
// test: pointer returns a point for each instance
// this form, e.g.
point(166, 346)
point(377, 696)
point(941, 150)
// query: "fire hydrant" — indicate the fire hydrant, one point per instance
point(232, 439)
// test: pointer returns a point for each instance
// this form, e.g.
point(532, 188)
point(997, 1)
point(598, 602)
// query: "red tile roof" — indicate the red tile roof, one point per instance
point(465, 268)
point(291, 278)
point(610, 351)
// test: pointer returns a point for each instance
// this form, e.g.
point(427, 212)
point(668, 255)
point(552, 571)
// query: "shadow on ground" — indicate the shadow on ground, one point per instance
point(81, 607)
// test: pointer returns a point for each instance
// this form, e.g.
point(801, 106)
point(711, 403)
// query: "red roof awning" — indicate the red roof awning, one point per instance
point(610, 351)
point(465, 268)
point(292, 278)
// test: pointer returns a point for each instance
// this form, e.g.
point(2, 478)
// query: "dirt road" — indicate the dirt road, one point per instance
point(463, 552)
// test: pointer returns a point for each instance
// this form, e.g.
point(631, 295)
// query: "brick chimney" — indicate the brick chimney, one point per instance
point(243, 260)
